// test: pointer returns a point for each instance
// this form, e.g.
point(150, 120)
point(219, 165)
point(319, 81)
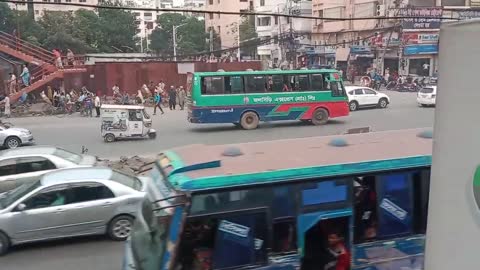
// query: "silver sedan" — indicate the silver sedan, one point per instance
point(13, 137)
point(70, 202)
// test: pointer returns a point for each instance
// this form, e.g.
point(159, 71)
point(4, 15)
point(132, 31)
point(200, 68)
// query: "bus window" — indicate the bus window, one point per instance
point(365, 208)
point(277, 83)
point(212, 86)
point(395, 206)
point(233, 84)
point(210, 241)
point(285, 236)
point(337, 89)
point(302, 83)
point(316, 82)
point(255, 84)
point(325, 194)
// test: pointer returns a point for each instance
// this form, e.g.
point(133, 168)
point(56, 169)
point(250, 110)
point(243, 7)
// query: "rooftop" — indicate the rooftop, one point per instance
point(262, 72)
point(76, 174)
point(31, 150)
point(311, 153)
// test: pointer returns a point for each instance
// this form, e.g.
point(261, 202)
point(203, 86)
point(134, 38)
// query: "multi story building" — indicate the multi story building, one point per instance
point(226, 26)
point(40, 9)
point(290, 37)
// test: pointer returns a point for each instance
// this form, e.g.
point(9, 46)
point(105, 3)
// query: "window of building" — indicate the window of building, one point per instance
point(365, 10)
point(57, 1)
point(210, 2)
point(219, 29)
point(147, 16)
point(210, 16)
point(82, 1)
point(275, 18)
point(262, 3)
point(336, 12)
point(218, 15)
point(213, 86)
point(255, 84)
point(218, 1)
point(264, 21)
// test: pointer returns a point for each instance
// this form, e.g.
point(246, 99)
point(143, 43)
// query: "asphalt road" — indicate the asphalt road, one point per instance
point(73, 132)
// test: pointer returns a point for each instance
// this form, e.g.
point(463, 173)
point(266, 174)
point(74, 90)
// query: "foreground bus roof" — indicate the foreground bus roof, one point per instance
point(196, 167)
point(266, 72)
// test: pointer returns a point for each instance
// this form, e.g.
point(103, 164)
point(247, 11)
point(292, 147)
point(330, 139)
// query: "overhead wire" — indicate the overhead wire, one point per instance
point(202, 11)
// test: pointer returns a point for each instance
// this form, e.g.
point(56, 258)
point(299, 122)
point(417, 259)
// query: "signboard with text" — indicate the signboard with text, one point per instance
point(431, 18)
point(420, 38)
point(421, 49)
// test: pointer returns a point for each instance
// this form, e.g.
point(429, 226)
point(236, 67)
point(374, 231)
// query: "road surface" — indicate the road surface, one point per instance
point(74, 132)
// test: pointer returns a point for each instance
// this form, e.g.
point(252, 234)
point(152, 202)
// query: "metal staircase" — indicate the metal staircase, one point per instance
point(41, 62)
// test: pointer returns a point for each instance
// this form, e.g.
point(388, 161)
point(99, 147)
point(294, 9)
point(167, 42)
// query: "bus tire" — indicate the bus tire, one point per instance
point(320, 117)
point(249, 120)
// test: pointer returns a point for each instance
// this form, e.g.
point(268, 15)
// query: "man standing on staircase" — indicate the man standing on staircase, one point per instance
point(58, 58)
point(12, 84)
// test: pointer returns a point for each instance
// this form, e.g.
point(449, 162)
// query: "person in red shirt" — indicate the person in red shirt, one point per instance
point(339, 255)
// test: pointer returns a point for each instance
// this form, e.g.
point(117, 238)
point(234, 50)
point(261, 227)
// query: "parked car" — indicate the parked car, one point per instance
point(68, 203)
point(361, 96)
point(427, 96)
point(13, 137)
point(22, 165)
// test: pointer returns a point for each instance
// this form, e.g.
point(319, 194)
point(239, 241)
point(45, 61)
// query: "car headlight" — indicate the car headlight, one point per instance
point(26, 133)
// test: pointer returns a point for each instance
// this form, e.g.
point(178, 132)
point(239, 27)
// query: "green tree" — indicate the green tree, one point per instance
point(6, 18)
point(191, 36)
point(248, 36)
point(116, 28)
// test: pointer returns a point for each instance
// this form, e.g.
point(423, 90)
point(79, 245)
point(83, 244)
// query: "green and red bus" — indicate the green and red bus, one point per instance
point(245, 98)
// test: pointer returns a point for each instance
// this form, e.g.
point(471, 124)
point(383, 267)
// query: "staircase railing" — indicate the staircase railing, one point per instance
point(27, 48)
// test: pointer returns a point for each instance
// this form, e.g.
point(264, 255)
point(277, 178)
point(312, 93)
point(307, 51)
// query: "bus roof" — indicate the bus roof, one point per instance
point(266, 72)
point(195, 167)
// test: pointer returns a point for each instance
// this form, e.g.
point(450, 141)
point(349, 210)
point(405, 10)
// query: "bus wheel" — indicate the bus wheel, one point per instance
point(320, 117)
point(249, 120)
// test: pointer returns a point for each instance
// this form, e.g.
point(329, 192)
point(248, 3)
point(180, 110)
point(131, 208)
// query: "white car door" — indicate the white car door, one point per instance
point(370, 96)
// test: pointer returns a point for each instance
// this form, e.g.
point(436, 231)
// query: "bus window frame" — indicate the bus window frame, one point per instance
point(328, 206)
point(202, 82)
point(223, 214)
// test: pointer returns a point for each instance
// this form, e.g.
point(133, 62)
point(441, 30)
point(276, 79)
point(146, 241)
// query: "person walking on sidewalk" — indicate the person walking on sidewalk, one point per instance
point(181, 97)
point(172, 95)
point(98, 104)
point(158, 102)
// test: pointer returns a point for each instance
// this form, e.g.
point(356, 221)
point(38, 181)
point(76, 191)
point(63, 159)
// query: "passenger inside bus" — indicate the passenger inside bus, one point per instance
point(197, 244)
point(365, 209)
point(325, 247)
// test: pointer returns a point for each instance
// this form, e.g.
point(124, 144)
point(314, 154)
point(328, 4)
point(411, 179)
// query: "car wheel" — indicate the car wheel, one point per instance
point(4, 244)
point(120, 227)
point(12, 142)
point(353, 105)
point(383, 103)
point(320, 117)
point(249, 120)
point(109, 138)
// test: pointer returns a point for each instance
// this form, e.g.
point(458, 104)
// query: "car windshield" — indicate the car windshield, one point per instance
point(127, 180)
point(72, 157)
point(13, 195)
point(426, 90)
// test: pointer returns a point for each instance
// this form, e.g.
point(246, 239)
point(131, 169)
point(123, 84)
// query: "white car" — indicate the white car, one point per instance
point(360, 96)
point(21, 165)
point(427, 96)
point(13, 137)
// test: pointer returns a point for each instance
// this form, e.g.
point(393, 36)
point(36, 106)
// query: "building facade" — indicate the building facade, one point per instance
point(226, 26)
point(290, 38)
point(39, 9)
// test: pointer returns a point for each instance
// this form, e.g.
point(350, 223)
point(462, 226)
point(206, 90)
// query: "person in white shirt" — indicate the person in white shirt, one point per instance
point(13, 83)
point(98, 104)
point(6, 101)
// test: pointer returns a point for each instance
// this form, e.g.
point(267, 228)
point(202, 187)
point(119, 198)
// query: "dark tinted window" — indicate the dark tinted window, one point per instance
point(358, 92)
point(53, 196)
point(89, 192)
point(135, 115)
point(426, 90)
point(213, 86)
point(302, 83)
point(317, 82)
point(280, 198)
point(336, 88)
point(255, 84)
point(233, 84)
point(277, 83)
point(369, 92)
point(8, 167)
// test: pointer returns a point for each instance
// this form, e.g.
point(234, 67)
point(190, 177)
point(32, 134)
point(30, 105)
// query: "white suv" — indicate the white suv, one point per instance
point(361, 96)
point(427, 96)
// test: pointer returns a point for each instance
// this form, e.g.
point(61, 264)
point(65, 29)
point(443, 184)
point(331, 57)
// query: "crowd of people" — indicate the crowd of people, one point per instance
point(82, 101)
point(155, 94)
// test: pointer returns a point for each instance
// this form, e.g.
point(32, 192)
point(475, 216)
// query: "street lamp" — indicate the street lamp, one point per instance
point(175, 40)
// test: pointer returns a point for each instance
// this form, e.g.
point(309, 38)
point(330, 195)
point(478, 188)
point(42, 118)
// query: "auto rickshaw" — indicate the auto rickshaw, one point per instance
point(125, 121)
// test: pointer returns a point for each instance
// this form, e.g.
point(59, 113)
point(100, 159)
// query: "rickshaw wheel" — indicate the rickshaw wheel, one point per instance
point(152, 135)
point(109, 138)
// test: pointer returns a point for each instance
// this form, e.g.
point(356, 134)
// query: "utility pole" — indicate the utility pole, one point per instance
point(174, 37)
point(238, 31)
point(211, 39)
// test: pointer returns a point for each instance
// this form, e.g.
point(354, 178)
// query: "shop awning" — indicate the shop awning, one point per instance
point(341, 54)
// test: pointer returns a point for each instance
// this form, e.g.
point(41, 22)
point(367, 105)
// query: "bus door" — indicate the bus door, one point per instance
point(324, 223)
